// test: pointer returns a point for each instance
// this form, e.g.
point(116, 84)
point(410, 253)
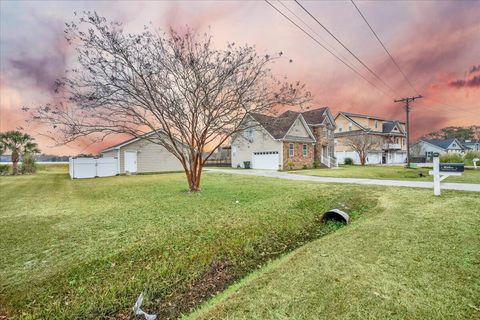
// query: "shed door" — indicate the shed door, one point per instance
point(131, 161)
point(266, 160)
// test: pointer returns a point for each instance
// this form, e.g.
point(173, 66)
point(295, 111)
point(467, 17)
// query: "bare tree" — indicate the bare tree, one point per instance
point(173, 89)
point(362, 143)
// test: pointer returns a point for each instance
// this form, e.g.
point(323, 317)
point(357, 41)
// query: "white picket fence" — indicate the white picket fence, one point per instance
point(80, 168)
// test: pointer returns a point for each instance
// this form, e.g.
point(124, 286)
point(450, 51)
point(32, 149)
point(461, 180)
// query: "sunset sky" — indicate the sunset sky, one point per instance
point(436, 43)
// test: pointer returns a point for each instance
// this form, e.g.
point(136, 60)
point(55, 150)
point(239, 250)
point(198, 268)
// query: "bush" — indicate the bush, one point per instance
point(348, 161)
point(469, 156)
point(305, 166)
point(290, 164)
point(316, 164)
point(451, 158)
point(4, 169)
point(28, 165)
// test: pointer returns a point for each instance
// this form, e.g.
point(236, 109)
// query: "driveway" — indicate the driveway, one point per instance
point(377, 182)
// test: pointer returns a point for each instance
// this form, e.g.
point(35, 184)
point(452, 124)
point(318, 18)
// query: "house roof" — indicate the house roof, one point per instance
point(443, 143)
point(134, 139)
point(126, 142)
point(349, 114)
point(278, 127)
point(388, 126)
point(314, 116)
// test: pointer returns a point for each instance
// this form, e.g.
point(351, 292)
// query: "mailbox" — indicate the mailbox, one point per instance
point(452, 167)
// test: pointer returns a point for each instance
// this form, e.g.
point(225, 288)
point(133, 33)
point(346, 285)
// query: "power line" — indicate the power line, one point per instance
point(346, 48)
point(445, 106)
point(385, 48)
point(329, 51)
point(314, 31)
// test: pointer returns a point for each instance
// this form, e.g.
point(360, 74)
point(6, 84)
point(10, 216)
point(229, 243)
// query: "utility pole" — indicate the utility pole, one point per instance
point(407, 101)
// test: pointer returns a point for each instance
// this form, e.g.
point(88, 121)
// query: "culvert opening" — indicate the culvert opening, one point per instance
point(336, 215)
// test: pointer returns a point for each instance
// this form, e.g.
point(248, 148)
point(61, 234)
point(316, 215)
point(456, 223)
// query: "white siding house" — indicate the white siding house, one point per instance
point(426, 148)
point(142, 156)
point(256, 144)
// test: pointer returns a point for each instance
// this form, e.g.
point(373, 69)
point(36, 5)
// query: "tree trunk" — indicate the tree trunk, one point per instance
point(14, 162)
point(362, 158)
point(194, 174)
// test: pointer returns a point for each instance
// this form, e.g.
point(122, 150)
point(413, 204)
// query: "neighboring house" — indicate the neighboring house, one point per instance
point(426, 148)
point(293, 139)
point(138, 155)
point(391, 133)
point(473, 145)
point(221, 157)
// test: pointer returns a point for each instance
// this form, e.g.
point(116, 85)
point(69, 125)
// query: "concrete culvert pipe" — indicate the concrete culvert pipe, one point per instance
point(336, 215)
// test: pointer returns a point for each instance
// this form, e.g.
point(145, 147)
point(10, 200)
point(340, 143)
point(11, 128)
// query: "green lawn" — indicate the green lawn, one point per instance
point(86, 248)
point(384, 172)
point(413, 256)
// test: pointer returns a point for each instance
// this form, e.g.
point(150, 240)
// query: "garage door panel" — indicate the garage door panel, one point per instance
point(266, 160)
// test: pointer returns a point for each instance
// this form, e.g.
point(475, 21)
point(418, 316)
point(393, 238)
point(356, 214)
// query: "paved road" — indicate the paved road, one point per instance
point(378, 182)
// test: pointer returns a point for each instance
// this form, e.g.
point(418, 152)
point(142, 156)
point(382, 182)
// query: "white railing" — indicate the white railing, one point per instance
point(329, 161)
point(391, 146)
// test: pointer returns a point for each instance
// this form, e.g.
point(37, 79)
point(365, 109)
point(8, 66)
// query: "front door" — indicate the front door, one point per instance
point(131, 161)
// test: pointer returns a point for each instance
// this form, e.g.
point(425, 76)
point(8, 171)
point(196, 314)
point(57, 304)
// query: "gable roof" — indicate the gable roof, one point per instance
point(135, 139)
point(126, 142)
point(314, 116)
point(278, 127)
point(443, 143)
point(389, 126)
point(357, 115)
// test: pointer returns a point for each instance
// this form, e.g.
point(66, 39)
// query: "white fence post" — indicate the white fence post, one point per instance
point(436, 176)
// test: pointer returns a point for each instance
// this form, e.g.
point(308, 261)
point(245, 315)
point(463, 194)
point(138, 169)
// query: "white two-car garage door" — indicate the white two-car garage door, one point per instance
point(266, 160)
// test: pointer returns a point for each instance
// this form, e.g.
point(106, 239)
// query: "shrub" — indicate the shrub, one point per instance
point(290, 164)
point(348, 161)
point(469, 156)
point(28, 164)
point(4, 169)
point(304, 166)
point(451, 158)
point(316, 164)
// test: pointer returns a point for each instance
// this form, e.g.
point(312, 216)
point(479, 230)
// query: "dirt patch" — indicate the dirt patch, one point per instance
point(214, 280)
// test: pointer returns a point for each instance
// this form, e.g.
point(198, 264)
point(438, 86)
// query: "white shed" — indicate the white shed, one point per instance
point(139, 155)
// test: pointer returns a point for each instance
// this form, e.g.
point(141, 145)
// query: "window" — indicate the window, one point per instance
point(305, 150)
point(350, 125)
point(290, 150)
point(248, 134)
point(340, 129)
point(376, 124)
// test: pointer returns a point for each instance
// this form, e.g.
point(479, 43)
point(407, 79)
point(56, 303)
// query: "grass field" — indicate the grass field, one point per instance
point(384, 172)
point(405, 259)
point(85, 249)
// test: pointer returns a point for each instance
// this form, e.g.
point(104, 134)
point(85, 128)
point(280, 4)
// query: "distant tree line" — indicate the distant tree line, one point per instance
point(461, 133)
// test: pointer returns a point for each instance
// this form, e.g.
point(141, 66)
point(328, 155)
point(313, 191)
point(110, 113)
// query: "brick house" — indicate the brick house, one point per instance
point(292, 139)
